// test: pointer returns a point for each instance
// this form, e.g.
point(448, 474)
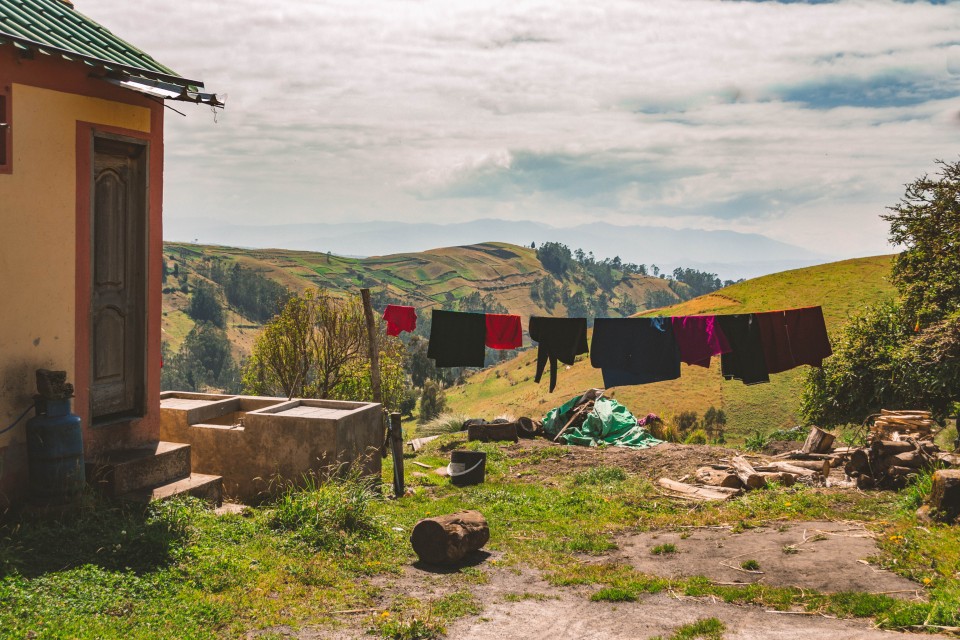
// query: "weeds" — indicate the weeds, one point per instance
point(705, 629)
point(750, 565)
point(600, 475)
point(664, 549)
point(327, 515)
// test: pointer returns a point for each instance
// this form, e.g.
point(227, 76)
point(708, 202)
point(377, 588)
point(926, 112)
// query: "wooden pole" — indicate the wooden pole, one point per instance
point(396, 445)
point(374, 347)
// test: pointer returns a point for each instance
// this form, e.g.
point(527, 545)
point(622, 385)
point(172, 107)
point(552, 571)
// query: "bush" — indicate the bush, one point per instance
point(697, 436)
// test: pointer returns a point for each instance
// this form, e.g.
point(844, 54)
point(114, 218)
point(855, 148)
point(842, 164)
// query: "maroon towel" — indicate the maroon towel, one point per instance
point(793, 337)
point(699, 338)
point(503, 331)
point(399, 318)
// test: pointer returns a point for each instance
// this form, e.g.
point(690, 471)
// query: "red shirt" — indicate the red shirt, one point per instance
point(399, 318)
point(503, 331)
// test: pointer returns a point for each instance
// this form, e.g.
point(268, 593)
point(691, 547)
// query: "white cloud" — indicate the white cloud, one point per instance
point(347, 111)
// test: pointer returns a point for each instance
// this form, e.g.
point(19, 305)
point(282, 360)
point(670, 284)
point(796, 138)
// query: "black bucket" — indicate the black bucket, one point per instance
point(467, 467)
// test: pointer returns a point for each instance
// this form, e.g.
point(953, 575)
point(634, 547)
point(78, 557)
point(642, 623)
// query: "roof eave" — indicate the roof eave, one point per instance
point(106, 65)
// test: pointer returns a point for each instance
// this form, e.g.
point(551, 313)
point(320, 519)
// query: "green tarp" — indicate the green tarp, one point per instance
point(609, 423)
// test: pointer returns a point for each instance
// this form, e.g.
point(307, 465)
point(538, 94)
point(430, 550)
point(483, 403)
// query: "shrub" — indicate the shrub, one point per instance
point(697, 436)
point(444, 423)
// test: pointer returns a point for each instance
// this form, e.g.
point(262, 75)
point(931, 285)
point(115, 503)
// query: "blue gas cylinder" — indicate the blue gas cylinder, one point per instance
point(55, 453)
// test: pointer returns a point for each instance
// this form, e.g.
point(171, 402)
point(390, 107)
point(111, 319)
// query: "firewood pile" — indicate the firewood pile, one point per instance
point(890, 464)
point(901, 447)
point(900, 425)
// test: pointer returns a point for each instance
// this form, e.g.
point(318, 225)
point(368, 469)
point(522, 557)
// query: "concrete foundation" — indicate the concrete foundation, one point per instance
point(259, 444)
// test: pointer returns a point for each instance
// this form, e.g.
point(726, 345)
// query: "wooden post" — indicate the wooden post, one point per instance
point(396, 446)
point(374, 347)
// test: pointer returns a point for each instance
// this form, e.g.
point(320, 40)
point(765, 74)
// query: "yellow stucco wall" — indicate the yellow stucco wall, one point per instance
point(38, 237)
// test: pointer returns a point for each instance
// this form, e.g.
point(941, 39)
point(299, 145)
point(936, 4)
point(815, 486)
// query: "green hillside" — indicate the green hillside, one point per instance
point(841, 288)
point(436, 278)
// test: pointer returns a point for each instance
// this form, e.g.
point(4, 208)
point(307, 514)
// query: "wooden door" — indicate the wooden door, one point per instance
point(119, 267)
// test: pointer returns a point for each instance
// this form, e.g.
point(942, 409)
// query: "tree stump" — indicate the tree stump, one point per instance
point(819, 441)
point(447, 539)
point(945, 494)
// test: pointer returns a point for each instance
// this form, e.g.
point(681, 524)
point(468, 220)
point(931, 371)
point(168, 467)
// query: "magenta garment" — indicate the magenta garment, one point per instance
point(699, 338)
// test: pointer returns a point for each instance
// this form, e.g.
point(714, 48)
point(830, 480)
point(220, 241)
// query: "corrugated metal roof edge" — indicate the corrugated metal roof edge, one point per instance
point(108, 64)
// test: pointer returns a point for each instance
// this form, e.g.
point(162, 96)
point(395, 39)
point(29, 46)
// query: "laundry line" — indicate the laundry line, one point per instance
point(633, 351)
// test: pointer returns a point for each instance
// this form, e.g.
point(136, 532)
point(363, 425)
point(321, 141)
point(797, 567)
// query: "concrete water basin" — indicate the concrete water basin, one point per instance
point(259, 444)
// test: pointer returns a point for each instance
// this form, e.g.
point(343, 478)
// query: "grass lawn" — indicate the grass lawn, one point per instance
point(177, 570)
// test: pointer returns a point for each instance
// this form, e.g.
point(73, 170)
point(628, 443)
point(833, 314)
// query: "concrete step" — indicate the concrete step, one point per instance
point(199, 485)
point(157, 463)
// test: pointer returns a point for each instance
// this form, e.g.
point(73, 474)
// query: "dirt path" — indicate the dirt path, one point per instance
point(825, 556)
point(519, 603)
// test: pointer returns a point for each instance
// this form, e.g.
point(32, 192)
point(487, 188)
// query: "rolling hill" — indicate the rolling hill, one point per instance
point(841, 288)
point(436, 278)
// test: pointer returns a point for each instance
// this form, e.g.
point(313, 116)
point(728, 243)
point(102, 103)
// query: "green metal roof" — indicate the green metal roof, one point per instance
point(53, 27)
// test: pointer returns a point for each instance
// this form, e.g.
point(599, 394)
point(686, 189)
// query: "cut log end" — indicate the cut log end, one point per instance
point(447, 539)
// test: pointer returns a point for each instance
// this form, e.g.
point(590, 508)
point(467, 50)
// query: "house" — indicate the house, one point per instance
point(81, 198)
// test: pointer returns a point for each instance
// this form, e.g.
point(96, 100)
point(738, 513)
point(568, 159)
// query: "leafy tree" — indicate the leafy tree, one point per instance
point(555, 257)
point(926, 222)
point(433, 401)
point(660, 298)
point(205, 306)
point(317, 347)
point(627, 307)
point(203, 363)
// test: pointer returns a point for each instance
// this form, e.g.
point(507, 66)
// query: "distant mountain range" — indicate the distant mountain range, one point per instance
point(729, 254)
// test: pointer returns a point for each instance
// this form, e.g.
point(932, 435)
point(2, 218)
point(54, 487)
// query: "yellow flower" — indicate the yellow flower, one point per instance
point(385, 614)
point(787, 504)
point(927, 581)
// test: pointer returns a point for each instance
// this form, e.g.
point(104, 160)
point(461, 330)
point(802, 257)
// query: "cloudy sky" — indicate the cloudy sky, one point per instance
point(798, 121)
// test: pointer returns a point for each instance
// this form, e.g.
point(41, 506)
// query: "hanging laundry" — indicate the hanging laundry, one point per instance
point(560, 339)
point(457, 339)
point(793, 337)
point(699, 338)
point(745, 361)
point(634, 350)
point(503, 331)
point(399, 318)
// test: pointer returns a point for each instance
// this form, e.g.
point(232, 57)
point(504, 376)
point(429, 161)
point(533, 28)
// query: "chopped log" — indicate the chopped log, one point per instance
point(820, 466)
point(447, 539)
point(779, 465)
point(894, 470)
point(818, 441)
point(945, 494)
point(951, 459)
point(747, 474)
point(493, 432)
point(909, 412)
point(699, 492)
point(715, 478)
point(859, 464)
point(893, 447)
point(912, 459)
point(780, 477)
